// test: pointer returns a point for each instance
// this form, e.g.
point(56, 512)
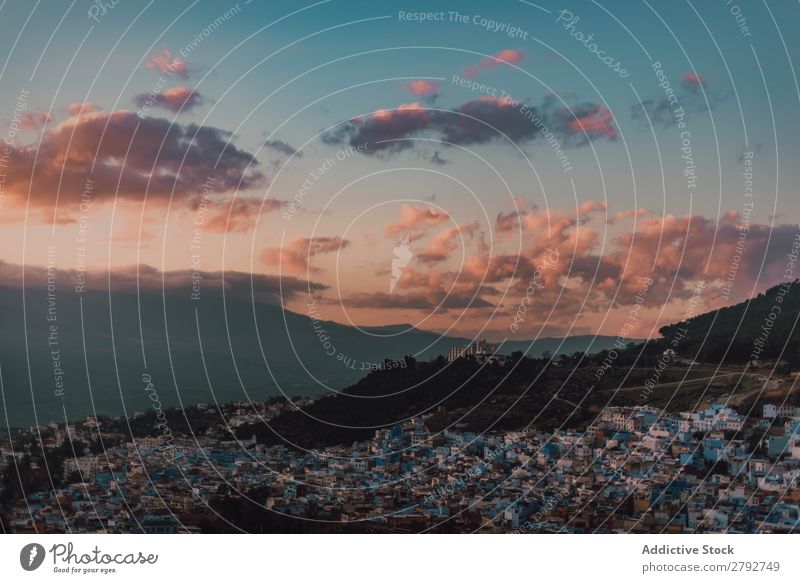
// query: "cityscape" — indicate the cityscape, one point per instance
point(635, 469)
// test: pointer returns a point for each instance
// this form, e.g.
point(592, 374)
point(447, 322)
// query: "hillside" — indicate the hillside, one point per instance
point(764, 327)
point(541, 392)
point(547, 393)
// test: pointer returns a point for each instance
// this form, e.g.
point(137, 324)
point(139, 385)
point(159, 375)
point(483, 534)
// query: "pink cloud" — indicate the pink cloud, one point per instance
point(33, 120)
point(128, 158)
point(445, 242)
point(477, 121)
point(423, 88)
point(164, 63)
point(622, 215)
point(589, 208)
point(690, 80)
point(406, 109)
point(175, 99)
point(414, 217)
point(510, 56)
point(75, 109)
point(596, 121)
point(542, 228)
point(239, 214)
point(295, 255)
point(561, 250)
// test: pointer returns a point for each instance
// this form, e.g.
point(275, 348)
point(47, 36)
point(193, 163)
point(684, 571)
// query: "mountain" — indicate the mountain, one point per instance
point(764, 328)
point(545, 392)
point(217, 351)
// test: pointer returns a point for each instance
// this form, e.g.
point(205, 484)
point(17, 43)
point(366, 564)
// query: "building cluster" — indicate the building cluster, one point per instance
point(480, 350)
point(635, 469)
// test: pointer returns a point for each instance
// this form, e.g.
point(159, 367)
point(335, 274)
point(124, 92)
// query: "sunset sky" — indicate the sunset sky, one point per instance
point(304, 143)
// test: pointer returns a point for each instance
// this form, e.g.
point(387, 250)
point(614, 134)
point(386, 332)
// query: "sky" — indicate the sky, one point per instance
point(508, 170)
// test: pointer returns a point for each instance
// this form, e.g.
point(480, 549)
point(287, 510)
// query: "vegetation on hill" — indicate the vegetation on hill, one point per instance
point(761, 328)
point(523, 392)
point(549, 393)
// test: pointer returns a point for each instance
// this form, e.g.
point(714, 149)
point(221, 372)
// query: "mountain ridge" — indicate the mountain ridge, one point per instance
point(237, 351)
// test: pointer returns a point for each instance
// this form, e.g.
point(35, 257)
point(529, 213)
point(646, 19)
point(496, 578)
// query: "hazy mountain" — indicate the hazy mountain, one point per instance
point(217, 350)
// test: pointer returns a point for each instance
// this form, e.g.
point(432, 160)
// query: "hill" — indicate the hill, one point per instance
point(540, 392)
point(761, 328)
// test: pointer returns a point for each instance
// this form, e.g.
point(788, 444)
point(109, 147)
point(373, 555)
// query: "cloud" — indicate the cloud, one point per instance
point(594, 121)
point(588, 209)
point(679, 249)
point(423, 88)
point(511, 56)
point(283, 148)
point(295, 255)
point(120, 155)
point(622, 215)
point(147, 279)
point(481, 120)
point(697, 96)
point(692, 81)
point(415, 218)
point(33, 120)
point(445, 242)
point(75, 109)
point(381, 130)
point(550, 226)
point(691, 247)
point(477, 121)
point(175, 99)
point(164, 63)
point(658, 111)
point(582, 272)
point(239, 214)
point(439, 301)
